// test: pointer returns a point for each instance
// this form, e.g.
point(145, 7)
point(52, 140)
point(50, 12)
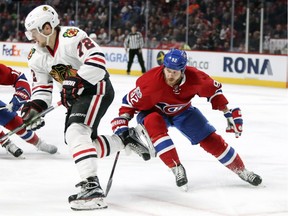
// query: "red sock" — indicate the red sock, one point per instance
point(28, 136)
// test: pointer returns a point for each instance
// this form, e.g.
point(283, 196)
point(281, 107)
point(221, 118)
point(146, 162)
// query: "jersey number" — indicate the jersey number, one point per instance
point(87, 43)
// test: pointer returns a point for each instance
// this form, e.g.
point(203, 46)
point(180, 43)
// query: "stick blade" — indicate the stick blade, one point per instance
point(108, 187)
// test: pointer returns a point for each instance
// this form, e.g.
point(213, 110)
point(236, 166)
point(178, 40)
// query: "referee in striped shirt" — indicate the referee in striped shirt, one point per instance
point(134, 42)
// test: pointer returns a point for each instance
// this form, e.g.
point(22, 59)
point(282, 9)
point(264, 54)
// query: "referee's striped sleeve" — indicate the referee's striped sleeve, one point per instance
point(135, 41)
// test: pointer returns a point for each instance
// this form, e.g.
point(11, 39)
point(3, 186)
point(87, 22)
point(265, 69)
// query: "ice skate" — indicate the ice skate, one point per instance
point(250, 177)
point(181, 178)
point(130, 139)
point(42, 146)
point(12, 148)
point(90, 197)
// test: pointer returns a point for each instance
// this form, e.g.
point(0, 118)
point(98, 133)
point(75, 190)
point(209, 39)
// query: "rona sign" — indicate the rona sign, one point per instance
point(247, 65)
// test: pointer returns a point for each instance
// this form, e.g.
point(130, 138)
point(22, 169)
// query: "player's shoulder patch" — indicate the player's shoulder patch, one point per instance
point(70, 32)
point(32, 51)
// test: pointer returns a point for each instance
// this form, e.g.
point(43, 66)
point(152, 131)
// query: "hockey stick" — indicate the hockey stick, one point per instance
point(109, 184)
point(141, 130)
point(24, 125)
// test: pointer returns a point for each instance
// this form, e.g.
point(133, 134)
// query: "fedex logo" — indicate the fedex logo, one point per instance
point(8, 51)
point(249, 65)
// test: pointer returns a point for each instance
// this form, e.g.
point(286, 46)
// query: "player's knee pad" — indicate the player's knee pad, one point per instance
point(214, 144)
point(78, 134)
point(155, 125)
point(78, 138)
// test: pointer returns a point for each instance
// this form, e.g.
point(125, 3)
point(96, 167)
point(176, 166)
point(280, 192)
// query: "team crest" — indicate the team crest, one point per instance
point(32, 51)
point(71, 32)
point(60, 71)
point(170, 109)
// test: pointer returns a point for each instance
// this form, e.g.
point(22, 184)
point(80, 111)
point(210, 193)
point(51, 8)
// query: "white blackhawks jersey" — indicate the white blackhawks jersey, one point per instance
point(73, 48)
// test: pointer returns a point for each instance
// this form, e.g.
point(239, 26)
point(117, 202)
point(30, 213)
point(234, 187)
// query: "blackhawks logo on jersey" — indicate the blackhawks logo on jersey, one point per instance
point(60, 71)
point(71, 32)
point(32, 51)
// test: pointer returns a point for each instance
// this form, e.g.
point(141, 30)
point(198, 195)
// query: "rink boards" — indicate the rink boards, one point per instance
point(226, 67)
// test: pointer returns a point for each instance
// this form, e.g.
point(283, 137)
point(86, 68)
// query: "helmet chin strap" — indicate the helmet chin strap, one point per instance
point(47, 40)
point(48, 36)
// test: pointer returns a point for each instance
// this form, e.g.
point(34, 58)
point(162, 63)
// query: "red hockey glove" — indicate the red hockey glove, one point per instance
point(119, 125)
point(235, 121)
point(19, 98)
point(30, 110)
point(70, 90)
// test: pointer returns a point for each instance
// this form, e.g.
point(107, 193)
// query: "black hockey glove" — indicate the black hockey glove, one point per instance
point(30, 110)
point(70, 90)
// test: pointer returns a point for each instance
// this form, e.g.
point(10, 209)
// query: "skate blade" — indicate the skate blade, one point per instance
point(184, 188)
point(128, 151)
point(21, 157)
point(88, 204)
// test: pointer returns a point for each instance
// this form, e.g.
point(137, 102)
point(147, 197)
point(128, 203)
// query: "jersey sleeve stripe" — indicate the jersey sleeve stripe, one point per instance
point(42, 87)
point(96, 65)
point(97, 54)
point(41, 90)
point(96, 59)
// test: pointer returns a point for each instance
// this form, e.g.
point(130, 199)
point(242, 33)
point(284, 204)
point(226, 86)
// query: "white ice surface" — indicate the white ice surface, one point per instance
point(40, 184)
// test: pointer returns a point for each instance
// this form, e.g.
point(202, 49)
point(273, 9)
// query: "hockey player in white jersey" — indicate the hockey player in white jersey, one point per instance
point(67, 56)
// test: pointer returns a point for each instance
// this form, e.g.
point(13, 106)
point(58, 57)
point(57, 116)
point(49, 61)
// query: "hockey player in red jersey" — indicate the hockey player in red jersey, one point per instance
point(8, 113)
point(66, 56)
point(163, 96)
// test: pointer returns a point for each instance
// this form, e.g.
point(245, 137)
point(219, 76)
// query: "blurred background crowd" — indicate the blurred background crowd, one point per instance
point(186, 24)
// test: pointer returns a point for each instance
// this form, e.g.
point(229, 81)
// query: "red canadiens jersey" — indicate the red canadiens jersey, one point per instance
point(152, 92)
point(14, 78)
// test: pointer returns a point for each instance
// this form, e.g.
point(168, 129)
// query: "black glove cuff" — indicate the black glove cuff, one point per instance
point(39, 105)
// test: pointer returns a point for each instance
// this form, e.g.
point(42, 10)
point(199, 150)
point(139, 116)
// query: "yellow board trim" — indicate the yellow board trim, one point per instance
point(123, 72)
point(14, 64)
